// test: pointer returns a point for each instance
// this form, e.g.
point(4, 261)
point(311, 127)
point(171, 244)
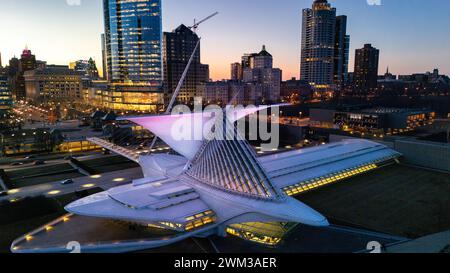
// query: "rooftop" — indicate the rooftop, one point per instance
point(399, 200)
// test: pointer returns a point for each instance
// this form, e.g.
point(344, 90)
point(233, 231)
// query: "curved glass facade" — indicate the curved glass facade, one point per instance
point(133, 34)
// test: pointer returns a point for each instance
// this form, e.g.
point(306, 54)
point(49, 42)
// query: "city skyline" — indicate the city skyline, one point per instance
point(412, 45)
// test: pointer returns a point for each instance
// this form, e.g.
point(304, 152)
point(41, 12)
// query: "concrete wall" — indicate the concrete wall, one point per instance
point(426, 154)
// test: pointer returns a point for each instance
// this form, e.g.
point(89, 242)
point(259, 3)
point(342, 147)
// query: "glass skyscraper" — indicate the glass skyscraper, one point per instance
point(324, 56)
point(318, 38)
point(133, 38)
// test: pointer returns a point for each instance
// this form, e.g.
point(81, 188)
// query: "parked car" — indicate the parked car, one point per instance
point(30, 157)
point(17, 164)
point(67, 182)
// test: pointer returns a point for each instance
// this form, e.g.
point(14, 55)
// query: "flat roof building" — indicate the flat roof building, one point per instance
point(54, 83)
point(372, 120)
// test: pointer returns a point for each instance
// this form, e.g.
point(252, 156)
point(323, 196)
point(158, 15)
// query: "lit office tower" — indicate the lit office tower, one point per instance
point(318, 43)
point(178, 48)
point(341, 51)
point(5, 93)
point(133, 38)
point(366, 68)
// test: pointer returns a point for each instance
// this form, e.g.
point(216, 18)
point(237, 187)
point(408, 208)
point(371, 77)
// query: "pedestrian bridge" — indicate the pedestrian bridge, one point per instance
point(130, 154)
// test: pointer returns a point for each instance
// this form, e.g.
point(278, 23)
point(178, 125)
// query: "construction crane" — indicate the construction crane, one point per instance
point(186, 70)
point(195, 26)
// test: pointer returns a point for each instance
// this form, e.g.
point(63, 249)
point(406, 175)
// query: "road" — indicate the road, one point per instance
point(104, 181)
point(294, 121)
point(52, 159)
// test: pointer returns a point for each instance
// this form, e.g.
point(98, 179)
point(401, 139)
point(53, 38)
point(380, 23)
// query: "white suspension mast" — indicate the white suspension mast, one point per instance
point(186, 70)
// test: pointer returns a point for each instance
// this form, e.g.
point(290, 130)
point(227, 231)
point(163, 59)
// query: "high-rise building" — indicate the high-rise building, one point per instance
point(236, 72)
point(5, 93)
point(318, 44)
point(133, 38)
point(178, 48)
point(13, 68)
point(341, 52)
point(27, 62)
point(260, 71)
point(104, 61)
point(325, 48)
point(366, 68)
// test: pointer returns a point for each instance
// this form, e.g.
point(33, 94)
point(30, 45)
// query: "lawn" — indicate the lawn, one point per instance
point(398, 200)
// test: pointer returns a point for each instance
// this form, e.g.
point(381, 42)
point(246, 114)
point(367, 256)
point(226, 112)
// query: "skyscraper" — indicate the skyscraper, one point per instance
point(366, 68)
point(5, 93)
point(341, 52)
point(133, 38)
point(325, 45)
point(14, 66)
point(236, 72)
point(260, 71)
point(178, 48)
point(318, 43)
point(27, 62)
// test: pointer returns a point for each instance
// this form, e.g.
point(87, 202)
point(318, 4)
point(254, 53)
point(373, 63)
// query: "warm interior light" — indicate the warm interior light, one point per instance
point(119, 180)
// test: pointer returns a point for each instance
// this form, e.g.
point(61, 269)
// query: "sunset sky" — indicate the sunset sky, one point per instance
point(413, 35)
